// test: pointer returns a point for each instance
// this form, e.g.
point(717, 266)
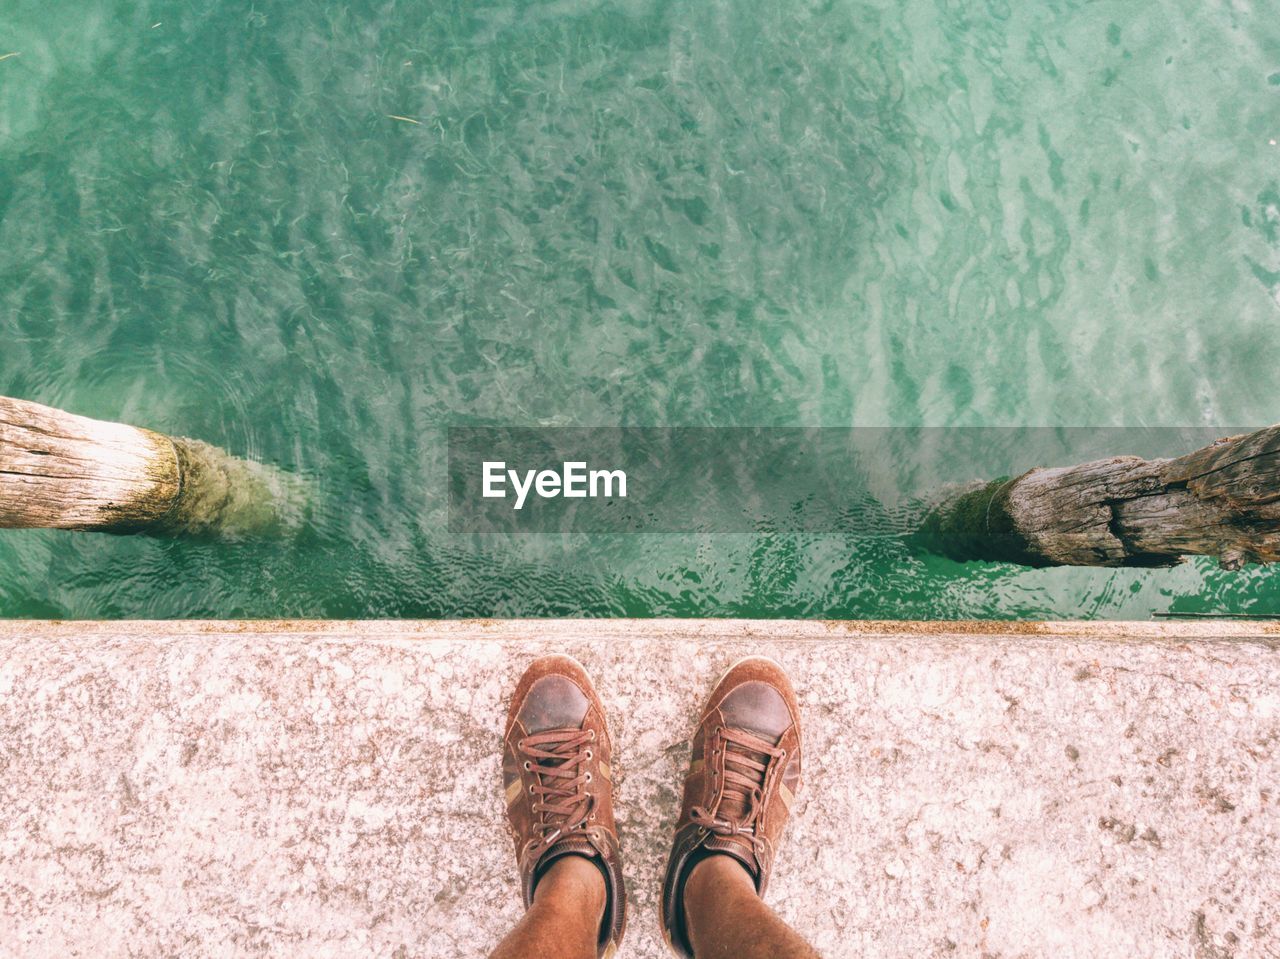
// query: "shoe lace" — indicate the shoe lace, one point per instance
point(561, 800)
point(746, 769)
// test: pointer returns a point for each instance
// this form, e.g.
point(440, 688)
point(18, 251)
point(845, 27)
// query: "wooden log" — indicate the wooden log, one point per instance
point(62, 471)
point(1223, 501)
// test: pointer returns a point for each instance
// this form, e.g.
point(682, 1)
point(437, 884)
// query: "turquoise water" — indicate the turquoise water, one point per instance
point(636, 213)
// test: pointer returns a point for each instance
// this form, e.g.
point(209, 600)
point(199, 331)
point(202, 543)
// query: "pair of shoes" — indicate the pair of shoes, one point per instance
point(744, 773)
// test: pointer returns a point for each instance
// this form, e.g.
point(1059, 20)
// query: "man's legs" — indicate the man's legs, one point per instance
point(727, 920)
point(743, 777)
point(564, 920)
point(557, 781)
point(744, 774)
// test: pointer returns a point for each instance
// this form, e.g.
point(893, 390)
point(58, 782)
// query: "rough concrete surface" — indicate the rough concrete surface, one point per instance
point(195, 789)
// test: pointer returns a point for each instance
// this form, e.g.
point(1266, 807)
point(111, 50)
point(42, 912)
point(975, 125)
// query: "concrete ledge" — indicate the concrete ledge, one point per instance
point(330, 789)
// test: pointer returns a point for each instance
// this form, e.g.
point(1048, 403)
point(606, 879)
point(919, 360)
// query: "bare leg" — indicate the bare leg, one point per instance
point(564, 920)
point(727, 920)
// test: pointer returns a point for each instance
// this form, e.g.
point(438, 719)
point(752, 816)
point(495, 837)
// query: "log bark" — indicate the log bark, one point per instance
point(62, 471)
point(1221, 501)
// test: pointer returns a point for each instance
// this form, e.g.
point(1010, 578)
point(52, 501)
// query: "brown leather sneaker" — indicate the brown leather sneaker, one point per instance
point(556, 759)
point(743, 776)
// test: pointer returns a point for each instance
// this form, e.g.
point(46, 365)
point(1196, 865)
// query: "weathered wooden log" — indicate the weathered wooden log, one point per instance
point(1223, 501)
point(62, 471)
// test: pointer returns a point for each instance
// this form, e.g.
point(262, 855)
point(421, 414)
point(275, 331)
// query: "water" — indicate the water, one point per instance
point(642, 213)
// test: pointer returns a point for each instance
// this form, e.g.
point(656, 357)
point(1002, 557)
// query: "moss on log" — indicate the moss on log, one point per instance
point(1221, 501)
point(62, 471)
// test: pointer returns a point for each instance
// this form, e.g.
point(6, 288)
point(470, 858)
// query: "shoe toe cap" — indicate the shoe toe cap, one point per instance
point(757, 707)
point(553, 702)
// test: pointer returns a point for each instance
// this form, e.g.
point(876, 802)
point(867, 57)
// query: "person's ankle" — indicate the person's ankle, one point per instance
point(714, 879)
point(573, 884)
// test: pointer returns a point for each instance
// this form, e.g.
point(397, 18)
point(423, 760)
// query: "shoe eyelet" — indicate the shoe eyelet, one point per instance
point(590, 754)
point(588, 779)
point(784, 754)
point(527, 765)
point(530, 789)
point(592, 737)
